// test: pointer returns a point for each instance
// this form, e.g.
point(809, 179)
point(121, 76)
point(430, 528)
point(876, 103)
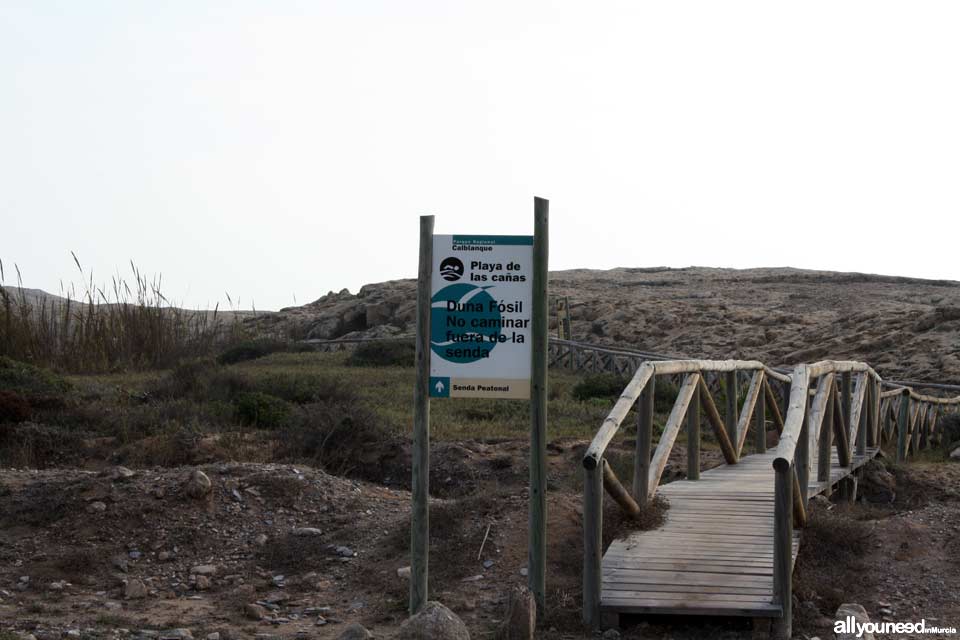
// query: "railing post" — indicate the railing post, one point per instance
point(864, 422)
point(873, 435)
point(802, 459)
point(592, 543)
point(641, 461)
point(693, 436)
point(760, 422)
point(903, 423)
point(783, 549)
point(826, 443)
point(730, 415)
point(846, 396)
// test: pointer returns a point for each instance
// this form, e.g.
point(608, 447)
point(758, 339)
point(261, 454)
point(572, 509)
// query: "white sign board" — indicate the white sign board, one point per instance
point(480, 317)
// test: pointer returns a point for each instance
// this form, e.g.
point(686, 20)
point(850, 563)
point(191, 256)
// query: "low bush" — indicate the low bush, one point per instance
point(30, 381)
point(602, 385)
point(389, 353)
point(344, 438)
point(949, 426)
point(13, 407)
point(202, 379)
point(304, 389)
point(39, 446)
point(262, 410)
point(250, 350)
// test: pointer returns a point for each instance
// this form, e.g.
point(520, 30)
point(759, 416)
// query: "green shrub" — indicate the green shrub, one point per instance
point(13, 407)
point(30, 381)
point(39, 445)
point(389, 353)
point(602, 385)
point(304, 389)
point(250, 350)
point(664, 395)
point(202, 379)
point(262, 410)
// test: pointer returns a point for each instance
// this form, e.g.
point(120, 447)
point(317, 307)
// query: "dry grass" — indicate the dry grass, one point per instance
point(102, 328)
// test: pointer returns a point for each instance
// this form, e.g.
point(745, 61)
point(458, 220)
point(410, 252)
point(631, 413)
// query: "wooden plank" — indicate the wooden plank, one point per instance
point(701, 609)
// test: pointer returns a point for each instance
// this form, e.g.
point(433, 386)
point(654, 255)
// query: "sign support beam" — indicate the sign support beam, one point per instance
point(537, 546)
point(420, 485)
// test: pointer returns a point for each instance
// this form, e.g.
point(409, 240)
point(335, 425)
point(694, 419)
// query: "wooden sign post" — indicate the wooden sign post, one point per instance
point(481, 333)
point(537, 545)
point(420, 486)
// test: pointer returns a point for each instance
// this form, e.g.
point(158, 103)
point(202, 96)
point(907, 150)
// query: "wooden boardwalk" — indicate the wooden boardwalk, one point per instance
point(714, 553)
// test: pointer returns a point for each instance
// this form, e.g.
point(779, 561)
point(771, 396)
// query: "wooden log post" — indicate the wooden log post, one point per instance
point(537, 534)
point(730, 413)
point(903, 425)
point(783, 548)
point(641, 460)
point(420, 482)
point(802, 460)
point(840, 431)
point(713, 417)
point(612, 485)
point(773, 406)
point(592, 543)
point(932, 431)
point(760, 423)
point(846, 396)
point(917, 429)
point(864, 419)
point(825, 445)
point(693, 436)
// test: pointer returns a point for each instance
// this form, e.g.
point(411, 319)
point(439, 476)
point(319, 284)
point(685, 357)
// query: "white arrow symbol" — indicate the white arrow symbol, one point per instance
point(439, 387)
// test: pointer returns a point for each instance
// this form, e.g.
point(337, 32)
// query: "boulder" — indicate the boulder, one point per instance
point(955, 454)
point(849, 613)
point(434, 621)
point(355, 631)
point(521, 620)
point(198, 485)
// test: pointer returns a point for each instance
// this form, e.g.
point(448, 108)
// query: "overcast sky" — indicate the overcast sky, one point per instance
point(282, 149)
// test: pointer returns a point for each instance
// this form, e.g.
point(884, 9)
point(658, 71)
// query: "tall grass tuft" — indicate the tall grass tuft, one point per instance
point(126, 324)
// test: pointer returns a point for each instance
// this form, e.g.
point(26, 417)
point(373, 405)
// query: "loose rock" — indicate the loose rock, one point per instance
point(204, 570)
point(434, 621)
point(355, 631)
point(198, 485)
point(134, 590)
point(859, 615)
point(255, 611)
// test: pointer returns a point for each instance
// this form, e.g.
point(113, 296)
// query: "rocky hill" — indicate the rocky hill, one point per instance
point(904, 327)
